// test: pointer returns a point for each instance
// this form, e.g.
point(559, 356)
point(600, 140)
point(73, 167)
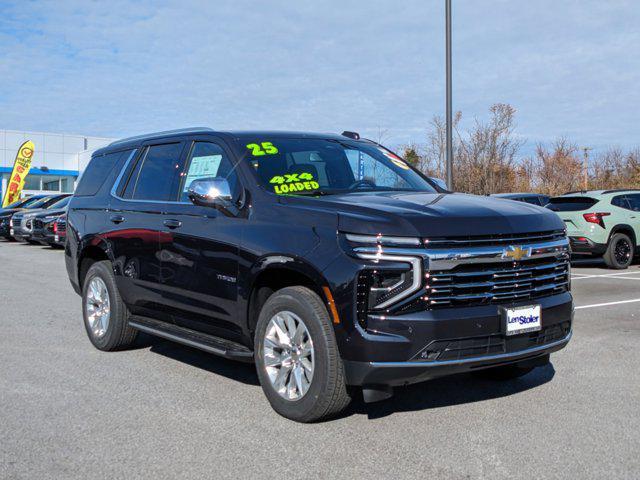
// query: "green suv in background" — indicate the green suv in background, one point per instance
point(601, 222)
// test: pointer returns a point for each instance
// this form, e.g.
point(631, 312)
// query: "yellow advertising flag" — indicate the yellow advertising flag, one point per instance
point(21, 168)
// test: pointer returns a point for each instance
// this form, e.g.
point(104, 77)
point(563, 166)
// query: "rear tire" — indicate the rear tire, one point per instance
point(620, 251)
point(325, 393)
point(105, 315)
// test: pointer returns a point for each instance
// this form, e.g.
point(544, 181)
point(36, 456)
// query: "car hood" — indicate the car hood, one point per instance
point(32, 212)
point(49, 213)
point(438, 214)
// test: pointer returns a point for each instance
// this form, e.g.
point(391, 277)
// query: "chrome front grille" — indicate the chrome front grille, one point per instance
point(16, 220)
point(470, 271)
point(490, 283)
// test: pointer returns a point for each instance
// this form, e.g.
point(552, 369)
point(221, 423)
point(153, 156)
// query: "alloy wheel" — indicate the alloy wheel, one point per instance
point(98, 307)
point(622, 251)
point(288, 355)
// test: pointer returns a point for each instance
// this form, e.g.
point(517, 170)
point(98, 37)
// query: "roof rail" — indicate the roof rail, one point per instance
point(621, 190)
point(575, 191)
point(161, 134)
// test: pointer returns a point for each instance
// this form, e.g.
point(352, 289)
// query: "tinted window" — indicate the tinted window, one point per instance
point(53, 201)
point(19, 203)
point(634, 202)
point(60, 203)
point(97, 171)
point(30, 201)
point(620, 201)
point(41, 202)
point(157, 175)
point(571, 204)
point(207, 160)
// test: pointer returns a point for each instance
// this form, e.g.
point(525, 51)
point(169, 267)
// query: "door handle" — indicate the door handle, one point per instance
point(171, 223)
point(116, 218)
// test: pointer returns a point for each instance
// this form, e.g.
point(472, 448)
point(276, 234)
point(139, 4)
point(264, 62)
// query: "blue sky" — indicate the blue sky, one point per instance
point(119, 68)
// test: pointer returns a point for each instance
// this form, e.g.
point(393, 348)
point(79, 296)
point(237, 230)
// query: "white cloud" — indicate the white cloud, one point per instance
point(117, 68)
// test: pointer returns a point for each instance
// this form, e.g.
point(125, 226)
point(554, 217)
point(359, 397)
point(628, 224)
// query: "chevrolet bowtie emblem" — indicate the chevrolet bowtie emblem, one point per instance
point(516, 253)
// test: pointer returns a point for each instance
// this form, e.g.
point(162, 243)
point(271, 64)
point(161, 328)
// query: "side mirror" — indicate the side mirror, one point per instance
point(210, 192)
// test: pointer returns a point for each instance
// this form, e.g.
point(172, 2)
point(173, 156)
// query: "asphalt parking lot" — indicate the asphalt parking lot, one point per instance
point(162, 410)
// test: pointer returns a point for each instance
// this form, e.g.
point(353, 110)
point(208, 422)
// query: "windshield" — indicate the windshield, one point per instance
point(17, 204)
point(322, 166)
point(39, 203)
point(24, 202)
point(59, 204)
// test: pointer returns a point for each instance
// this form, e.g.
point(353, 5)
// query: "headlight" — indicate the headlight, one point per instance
point(397, 274)
point(390, 285)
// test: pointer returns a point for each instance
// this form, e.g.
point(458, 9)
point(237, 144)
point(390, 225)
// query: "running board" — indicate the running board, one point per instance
point(208, 343)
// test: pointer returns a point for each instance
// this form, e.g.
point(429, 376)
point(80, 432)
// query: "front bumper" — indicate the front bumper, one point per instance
point(412, 348)
point(404, 373)
point(21, 235)
point(586, 246)
point(43, 236)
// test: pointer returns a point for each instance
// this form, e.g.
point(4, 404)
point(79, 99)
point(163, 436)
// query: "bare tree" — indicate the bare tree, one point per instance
point(486, 155)
point(486, 159)
point(558, 168)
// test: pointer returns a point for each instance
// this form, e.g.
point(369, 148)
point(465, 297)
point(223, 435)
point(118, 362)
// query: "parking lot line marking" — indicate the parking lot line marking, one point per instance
point(608, 303)
point(624, 278)
point(600, 275)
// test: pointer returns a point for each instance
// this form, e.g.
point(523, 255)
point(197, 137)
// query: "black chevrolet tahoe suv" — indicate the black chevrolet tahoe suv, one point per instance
point(325, 259)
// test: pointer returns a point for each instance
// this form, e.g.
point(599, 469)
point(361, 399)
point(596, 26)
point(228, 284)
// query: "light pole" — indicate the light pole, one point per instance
point(585, 167)
point(449, 114)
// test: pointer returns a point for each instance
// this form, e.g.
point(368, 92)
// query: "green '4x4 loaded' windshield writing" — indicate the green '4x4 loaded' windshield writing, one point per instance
point(316, 166)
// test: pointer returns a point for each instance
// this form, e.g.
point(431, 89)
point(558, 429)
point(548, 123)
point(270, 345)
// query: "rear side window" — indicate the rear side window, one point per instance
point(96, 173)
point(157, 174)
point(634, 202)
point(571, 204)
point(620, 201)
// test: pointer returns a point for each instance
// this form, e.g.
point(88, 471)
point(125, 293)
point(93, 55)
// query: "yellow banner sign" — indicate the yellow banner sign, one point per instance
point(21, 168)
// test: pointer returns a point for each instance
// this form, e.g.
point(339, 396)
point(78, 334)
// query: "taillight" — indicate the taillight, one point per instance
point(596, 217)
point(55, 227)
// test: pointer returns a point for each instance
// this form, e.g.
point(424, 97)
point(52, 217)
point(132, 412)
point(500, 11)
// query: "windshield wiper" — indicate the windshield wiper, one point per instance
point(318, 193)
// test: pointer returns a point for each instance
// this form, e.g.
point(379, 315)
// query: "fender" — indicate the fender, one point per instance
point(292, 263)
point(87, 246)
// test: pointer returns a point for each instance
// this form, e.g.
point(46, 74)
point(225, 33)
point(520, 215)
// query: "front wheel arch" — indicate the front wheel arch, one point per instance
point(269, 280)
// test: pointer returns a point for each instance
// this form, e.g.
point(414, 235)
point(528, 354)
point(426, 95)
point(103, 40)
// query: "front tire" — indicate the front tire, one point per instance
point(104, 312)
point(620, 251)
point(297, 357)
